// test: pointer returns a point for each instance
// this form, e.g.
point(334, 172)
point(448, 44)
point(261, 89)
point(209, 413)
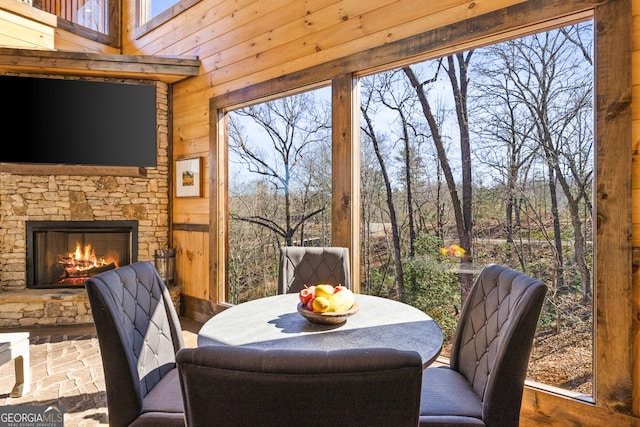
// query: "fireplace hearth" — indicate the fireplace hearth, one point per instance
point(64, 254)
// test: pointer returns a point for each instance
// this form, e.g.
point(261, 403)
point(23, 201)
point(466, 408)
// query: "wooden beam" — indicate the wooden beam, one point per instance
point(613, 354)
point(218, 204)
point(345, 170)
point(541, 408)
point(159, 68)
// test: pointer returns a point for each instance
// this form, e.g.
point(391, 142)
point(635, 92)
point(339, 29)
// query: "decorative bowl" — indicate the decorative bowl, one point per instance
point(328, 317)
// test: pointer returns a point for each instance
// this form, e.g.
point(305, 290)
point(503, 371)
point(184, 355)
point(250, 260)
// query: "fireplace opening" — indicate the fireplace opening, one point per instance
point(64, 254)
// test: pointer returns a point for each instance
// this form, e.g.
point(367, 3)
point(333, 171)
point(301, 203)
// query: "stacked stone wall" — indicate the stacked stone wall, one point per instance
point(60, 197)
point(45, 307)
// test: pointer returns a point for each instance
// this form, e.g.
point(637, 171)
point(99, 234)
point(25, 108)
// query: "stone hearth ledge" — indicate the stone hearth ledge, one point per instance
point(46, 307)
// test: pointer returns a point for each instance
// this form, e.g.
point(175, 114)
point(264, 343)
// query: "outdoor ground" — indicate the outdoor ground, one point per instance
point(564, 360)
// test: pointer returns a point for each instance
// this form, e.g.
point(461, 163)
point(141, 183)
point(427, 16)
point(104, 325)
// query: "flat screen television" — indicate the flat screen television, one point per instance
point(77, 122)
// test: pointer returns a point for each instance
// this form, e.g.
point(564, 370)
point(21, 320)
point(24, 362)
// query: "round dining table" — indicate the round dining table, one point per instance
point(274, 323)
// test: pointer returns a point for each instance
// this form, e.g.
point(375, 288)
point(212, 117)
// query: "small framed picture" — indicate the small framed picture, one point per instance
point(188, 177)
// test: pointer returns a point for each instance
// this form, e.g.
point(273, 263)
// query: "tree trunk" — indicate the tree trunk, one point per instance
point(392, 211)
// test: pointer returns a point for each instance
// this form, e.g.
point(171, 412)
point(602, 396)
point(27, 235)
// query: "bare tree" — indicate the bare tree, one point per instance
point(369, 130)
point(372, 242)
point(457, 72)
point(534, 104)
point(553, 82)
point(250, 273)
point(293, 128)
point(504, 128)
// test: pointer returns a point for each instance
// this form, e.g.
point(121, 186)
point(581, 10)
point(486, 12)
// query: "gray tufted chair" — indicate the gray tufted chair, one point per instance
point(139, 335)
point(484, 382)
point(241, 386)
point(301, 266)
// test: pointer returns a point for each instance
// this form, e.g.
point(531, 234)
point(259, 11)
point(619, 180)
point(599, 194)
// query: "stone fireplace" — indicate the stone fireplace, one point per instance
point(63, 254)
point(31, 196)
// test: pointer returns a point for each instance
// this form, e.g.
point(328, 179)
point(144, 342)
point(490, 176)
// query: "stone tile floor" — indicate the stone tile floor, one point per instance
point(66, 370)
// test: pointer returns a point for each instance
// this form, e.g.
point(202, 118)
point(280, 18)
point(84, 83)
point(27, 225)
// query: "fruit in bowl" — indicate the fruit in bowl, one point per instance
point(327, 304)
point(342, 301)
point(327, 298)
point(323, 291)
point(321, 304)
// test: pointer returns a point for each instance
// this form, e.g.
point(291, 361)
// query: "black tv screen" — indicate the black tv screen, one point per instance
point(78, 122)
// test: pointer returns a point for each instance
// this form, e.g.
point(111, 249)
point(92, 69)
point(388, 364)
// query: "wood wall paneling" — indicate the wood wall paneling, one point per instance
point(21, 32)
point(66, 41)
point(313, 39)
point(191, 126)
point(191, 210)
point(25, 10)
point(32, 28)
point(330, 43)
point(191, 261)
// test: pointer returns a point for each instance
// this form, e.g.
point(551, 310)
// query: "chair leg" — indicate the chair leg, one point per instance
point(16, 346)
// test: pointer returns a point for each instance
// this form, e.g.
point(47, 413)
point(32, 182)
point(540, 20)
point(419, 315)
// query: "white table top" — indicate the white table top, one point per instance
point(274, 322)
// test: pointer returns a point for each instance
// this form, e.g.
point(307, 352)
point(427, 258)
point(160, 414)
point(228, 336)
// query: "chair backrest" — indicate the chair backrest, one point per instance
point(494, 337)
point(300, 266)
point(241, 386)
point(138, 331)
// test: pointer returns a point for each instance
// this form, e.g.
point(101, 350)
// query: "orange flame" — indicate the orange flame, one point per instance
point(84, 258)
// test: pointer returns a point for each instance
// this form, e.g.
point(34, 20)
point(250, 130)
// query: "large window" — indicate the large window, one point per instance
point(548, 192)
point(279, 187)
point(491, 151)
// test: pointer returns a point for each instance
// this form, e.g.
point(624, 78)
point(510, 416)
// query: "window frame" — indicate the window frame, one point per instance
point(614, 389)
point(113, 38)
point(143, 28)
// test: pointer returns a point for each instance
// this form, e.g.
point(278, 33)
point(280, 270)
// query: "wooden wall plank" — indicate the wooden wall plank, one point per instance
point(242, 25)
point(192, 211)
point(197, 115)
point(66, 41)
point(191, 261)
point(189, 143)
point(21, 32)
point(28, 12)
point(203, 87)
point(330, 44)
point(296, 25)
point(60, 39)
point(325, 29)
